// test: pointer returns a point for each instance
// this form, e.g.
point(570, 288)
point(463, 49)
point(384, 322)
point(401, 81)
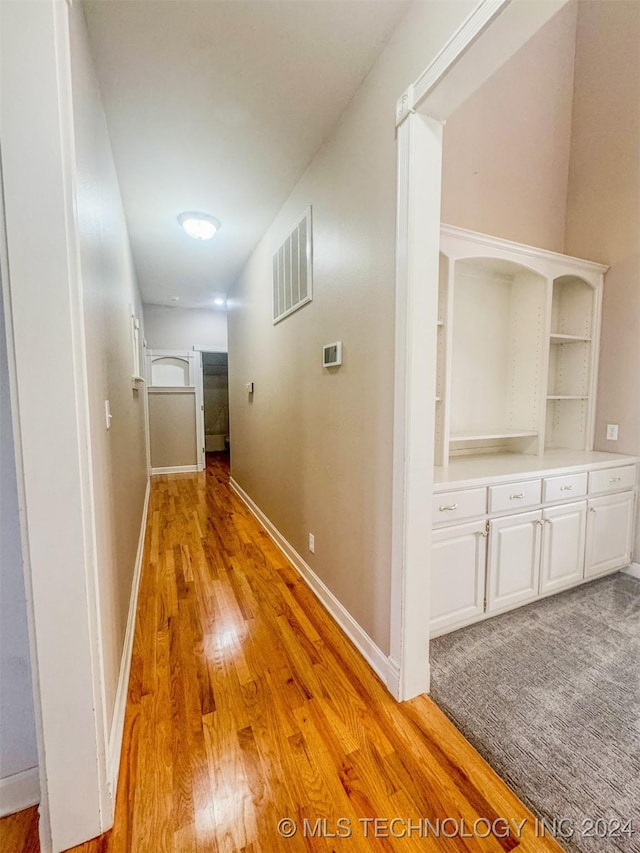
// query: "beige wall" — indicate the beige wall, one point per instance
point(313, 447)
point(109, 291)
point(603, 211)
point(506, 149)
point(184, 328)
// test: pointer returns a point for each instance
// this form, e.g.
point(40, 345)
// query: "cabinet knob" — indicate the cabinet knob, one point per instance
point(517, 497)
point(566, 488)
point(614, 480)
point(450, 508)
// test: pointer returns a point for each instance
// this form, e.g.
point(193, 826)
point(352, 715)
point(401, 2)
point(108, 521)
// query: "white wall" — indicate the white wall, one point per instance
point(18, 748)
point(505, 166)
point(313, 447)
point(184, 328)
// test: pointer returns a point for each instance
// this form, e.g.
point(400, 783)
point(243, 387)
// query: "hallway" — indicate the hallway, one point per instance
point(247, 705)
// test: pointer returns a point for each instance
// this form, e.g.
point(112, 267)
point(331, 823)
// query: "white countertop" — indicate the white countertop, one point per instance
point(504, 467)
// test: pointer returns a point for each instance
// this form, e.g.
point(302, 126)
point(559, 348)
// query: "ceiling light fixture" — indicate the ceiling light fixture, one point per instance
point(218, 301)
point(200, 226)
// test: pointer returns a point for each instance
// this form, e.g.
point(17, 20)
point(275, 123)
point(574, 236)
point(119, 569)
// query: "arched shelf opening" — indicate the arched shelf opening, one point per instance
point(170, 372)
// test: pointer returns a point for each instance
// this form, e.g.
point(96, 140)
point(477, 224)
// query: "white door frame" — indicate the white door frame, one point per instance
point(490, 35)
point(200, 350)
point(44, 315)
point(193, 359)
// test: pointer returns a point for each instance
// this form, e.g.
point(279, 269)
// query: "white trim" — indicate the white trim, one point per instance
point(37, 118)
point(198, 348)
point(177, 469)
point(19, 791)
point(476, 237)
point(632, 569)
point(185, 355)
point(488, 37)
point(478, 20)
point(418, 214)
point(199, 403)
point(114, 747)
point(172, 389)
point(374, 656)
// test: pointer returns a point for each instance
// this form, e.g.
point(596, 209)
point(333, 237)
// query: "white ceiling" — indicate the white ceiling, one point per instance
point(219, 106)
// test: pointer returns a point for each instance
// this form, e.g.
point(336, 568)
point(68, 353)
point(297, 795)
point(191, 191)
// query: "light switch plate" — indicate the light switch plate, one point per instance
point(612, 432)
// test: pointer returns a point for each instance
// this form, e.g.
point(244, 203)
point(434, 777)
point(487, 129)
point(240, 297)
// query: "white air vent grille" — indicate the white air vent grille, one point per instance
point(292, 270)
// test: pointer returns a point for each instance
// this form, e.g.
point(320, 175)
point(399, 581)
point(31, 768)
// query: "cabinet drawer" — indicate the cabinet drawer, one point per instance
point(564, 488)
point(612, 480)
point(454, 506)
point(514, 496)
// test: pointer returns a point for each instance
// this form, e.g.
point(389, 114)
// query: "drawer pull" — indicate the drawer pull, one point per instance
point(449, 508)
point(517, 497)
point(566, 488)
point(615, 479)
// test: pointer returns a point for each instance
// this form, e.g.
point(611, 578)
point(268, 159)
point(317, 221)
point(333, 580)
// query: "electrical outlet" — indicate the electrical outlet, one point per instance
point(612, 432)
point(312, 543)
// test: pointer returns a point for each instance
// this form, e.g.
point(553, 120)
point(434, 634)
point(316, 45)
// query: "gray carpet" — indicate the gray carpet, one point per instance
point(550, 695)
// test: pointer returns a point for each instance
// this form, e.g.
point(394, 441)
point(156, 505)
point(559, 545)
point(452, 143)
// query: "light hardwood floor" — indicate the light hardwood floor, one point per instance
point(247, 705)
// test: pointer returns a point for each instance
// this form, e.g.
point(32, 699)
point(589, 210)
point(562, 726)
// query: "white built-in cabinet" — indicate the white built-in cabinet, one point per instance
point(523, 508)
point(609, 533)
point(563, 546)
point(514, 560)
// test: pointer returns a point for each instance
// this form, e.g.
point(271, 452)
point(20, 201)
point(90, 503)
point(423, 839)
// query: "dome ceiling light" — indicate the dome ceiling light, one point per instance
point(200, 226)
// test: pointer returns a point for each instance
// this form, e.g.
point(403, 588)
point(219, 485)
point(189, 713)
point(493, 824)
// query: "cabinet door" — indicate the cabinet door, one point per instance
point(457, 576)
point(563, 545)
point(609, 533)
point(514, 560)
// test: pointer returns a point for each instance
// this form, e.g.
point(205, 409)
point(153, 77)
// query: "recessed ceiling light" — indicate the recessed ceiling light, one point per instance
point(200, 226)
point(218, 301)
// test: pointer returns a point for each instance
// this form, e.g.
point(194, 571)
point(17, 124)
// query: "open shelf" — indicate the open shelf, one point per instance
point(491, 435)
point(517, 336)
point(557, 338)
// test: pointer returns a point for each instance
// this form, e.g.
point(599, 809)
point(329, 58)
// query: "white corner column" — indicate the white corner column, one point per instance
point(418, 245)
point(49, 400)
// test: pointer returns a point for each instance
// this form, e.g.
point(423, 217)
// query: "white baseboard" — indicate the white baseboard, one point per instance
point(177, 469)
point(633, 569)
point(375, 657)
point(117, 724)
point(19, 791)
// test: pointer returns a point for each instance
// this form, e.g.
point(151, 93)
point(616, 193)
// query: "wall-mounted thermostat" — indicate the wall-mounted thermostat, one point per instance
point(332, 354)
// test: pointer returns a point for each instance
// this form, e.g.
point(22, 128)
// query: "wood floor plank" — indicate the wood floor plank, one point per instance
point(247, 705)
